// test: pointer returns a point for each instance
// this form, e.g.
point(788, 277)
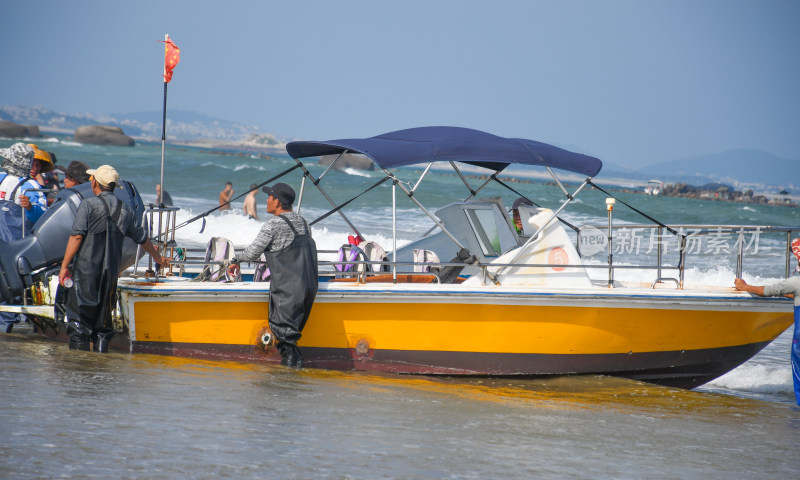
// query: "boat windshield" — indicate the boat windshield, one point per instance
point(483, 224)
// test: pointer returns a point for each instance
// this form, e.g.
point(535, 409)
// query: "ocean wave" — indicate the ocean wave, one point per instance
point(756, 378)
point(241, 230)
point(713, 275)
point(357, 172)
point(246, 166)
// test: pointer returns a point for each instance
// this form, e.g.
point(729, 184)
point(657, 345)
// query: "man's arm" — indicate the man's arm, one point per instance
point(740, 284)
point(757, 289)
point(151, 249)
point(73, 244)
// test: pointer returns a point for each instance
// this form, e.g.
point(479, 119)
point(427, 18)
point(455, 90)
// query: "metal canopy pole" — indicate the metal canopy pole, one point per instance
point(421, 177)
point(483, 185)
point(472, 192)
point(422, 207)
point(394, 231)
point(552, 174)
point(461, 176)
point(325, 194)
point(302, 189)
point(331, 165)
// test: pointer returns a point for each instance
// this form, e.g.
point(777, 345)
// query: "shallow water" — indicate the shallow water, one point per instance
point(83, 415)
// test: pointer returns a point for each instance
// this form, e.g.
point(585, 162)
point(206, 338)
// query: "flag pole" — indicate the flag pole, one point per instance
point(163, 132)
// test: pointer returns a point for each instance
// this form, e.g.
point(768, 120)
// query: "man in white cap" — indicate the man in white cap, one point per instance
point(101, 224)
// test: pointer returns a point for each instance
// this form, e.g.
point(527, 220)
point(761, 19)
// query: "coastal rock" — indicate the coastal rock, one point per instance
point(33, 130)
point(348, 160)
point(103, 135)
point(15, 130)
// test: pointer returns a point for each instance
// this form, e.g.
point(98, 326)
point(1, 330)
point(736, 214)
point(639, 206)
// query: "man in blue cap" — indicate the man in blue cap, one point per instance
point(291, 253)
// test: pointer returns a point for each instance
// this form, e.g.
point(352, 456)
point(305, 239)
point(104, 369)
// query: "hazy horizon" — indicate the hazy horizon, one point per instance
point(633, 83)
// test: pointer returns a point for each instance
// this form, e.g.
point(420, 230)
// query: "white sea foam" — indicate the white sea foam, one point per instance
point(357, 172)
point(752, 377)
point(749, 209)
point(247, 166)
point(239, 229)
point(71, 144)
point(717, 276)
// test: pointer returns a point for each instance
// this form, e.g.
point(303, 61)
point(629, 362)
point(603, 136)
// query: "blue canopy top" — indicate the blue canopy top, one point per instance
point(431, 144)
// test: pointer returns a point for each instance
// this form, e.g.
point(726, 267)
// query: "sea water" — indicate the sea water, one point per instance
point(82, 415)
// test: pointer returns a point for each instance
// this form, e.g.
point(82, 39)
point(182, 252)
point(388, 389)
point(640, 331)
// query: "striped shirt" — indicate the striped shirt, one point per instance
point(274, 235)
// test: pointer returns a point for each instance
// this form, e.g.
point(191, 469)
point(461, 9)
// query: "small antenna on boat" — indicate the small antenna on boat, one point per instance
point(610, 201)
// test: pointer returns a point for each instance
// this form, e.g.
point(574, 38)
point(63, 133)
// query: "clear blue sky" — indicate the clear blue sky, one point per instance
point(632, 82)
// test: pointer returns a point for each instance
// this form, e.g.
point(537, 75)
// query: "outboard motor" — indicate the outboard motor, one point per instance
point(39, 255)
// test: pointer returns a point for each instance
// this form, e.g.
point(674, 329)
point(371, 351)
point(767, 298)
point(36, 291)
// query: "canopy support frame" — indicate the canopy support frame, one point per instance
point(327, 197)
point(322, 175)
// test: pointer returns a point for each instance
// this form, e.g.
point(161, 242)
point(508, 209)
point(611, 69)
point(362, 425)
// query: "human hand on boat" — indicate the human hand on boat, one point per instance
point(743, 286)
point(164, 262)
point(25, 202)
point(233, 269)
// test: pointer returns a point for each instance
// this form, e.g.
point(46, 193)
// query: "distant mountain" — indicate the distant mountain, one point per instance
point(181, 124)
point(740, 167)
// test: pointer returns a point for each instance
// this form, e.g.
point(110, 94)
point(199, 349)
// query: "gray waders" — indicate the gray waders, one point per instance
point(292, 291)
point(95, 271)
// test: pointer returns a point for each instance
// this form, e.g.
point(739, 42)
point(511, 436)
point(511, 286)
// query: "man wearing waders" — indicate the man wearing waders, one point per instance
point(101, 224)
point(285, 240)
point(788, 288)
point(21, 204)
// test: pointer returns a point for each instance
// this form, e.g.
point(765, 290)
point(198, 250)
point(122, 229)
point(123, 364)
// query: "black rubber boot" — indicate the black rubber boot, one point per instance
point(77, 343)
point(78, 336)
point(102, 341)
point(291, 356)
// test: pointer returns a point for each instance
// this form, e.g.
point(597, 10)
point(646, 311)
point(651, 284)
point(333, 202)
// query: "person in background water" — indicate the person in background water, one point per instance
point(167, 198)
point(291, 253)
point(515, 213)
point(17, 216)
point(75, 174)
point(787, 288)
point(250, 208)
point(101, 224)
point(225, 196)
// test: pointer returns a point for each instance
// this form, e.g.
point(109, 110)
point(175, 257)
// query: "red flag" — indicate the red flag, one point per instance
point(172, 55)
